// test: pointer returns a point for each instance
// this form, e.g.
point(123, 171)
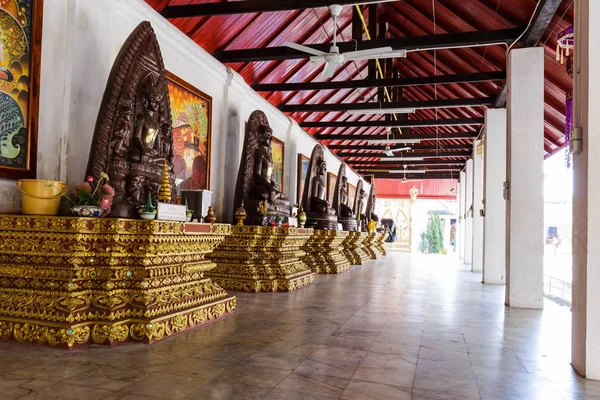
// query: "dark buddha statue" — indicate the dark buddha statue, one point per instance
point(345, 211)
point(133, 136)
point(318, 200)
point(265, 188)
point(319, 212)
point(371, 202)
point(255, 183)
point(346, 215)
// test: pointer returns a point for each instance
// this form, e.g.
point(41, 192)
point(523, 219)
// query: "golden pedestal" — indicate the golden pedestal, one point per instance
point(370, 245)
point(324, 252)
point(380, 242)
point(262, 258)
point(69, 282)
point(353, 249)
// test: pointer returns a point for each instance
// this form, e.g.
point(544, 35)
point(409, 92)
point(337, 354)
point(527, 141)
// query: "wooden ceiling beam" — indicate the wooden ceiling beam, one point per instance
point(416, 43)
point(430, 153)
point(252, 6)
point(415, 123)
point(396, 147)
point(541, 19)
point(342, 107)
point(396, 164)
point(423, 137)
point(392, 82)
point(416, 177)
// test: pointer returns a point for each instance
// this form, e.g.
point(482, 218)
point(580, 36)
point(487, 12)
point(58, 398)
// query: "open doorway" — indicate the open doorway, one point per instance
point(558, 213)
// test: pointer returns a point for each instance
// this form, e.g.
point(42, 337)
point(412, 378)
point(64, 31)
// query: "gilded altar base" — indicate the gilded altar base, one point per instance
point(370, 245)
point(262, 258)
point(69, 282)
point(353, 250)
point(324, 252)
point(380, 241)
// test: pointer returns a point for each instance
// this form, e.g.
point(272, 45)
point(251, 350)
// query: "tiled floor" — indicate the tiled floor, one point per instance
point(397, 328)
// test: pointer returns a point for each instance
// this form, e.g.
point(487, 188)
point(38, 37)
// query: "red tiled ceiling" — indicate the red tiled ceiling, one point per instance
point(404, 18)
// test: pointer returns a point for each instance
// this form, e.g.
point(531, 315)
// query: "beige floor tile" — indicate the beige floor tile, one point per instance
point(255, 375)
point(313, 385)
point(223, 390)
point(359, 390)
point(165, 385)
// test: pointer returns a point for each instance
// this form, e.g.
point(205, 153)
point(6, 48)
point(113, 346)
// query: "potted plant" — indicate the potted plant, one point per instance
point(92, 198)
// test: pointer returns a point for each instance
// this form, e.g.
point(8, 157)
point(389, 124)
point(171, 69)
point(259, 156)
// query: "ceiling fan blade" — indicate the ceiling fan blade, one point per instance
point(329, 70)
point(371, 54)
point(304, 49)
point(317, 59)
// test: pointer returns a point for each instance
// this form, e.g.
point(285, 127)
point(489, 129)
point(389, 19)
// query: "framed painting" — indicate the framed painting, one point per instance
point(351, 194)
point(331, 180)
point(20, 56)
point(303, 162)
point(278, 153)
point(191, 113)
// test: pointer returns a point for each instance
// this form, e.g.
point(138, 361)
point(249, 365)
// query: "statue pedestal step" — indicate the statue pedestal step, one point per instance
point(324, 252)
point(380, 242)
point(261, 258)
point(370, 245)
point(353, 249)
point(69, 282)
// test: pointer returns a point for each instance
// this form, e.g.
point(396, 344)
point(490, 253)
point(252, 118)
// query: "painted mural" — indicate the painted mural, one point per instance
point(278, 153)
point(191, 115)
point(20, 33)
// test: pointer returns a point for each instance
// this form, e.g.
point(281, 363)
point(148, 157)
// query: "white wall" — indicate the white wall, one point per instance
point(81, 39)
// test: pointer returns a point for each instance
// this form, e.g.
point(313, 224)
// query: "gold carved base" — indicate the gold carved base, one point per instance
point(75, 281)
point(324, 252)
point(370, 245)
point(261, 258)
point(380, 242)
point(353, 250)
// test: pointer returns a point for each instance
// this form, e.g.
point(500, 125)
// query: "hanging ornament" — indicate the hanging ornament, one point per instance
point(565, 43)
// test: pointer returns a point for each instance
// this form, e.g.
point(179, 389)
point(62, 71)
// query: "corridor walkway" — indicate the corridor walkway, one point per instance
point(403, 327)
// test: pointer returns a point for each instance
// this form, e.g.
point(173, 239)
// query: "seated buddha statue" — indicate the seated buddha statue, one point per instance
point(319, 203)
point(264, 186)
point(345, 211)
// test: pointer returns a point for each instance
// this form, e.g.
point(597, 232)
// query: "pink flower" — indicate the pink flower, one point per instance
point(83, 187)
point(106, 202)
point(108, 190)
point(89, 179)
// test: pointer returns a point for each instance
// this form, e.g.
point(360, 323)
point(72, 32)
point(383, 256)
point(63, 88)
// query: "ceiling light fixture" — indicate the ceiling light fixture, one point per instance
point(401, 158)
point(373, 111)
point(408, 171)
point(393, 141)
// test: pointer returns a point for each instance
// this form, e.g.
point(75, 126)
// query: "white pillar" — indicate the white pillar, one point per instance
point(461, 216)
point(494, 226)
point(525, 207)
point(477, 265)
point(469, 214)
point(585, 354)
point(458, 221)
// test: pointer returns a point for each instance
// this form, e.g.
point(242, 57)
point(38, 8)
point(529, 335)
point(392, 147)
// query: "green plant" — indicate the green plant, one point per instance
point(423, 245)
point(435, 234)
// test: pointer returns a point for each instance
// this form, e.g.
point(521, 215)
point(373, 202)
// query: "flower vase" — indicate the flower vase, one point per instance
point(265, 221)
point(87, 211)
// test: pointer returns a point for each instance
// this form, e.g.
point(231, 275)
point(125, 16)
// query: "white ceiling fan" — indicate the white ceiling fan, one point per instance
point(388, 151)
point(334, 58)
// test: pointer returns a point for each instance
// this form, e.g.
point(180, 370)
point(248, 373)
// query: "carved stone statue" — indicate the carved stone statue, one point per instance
point(133, 134)
point(319, 212)
point(360, 205)
point(371, 205)
point(255, 183)
point(346, 215)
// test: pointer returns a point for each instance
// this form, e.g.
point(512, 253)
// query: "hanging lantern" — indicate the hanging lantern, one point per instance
point(414, 192)
point(565, 43)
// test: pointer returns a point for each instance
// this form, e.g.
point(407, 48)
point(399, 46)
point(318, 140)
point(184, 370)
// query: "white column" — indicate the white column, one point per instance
point(585, 354)
point(477, 265)
point(458, 231)
point(525, 207)
point(461, 216)
point(469, 214)
point(494, 226)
